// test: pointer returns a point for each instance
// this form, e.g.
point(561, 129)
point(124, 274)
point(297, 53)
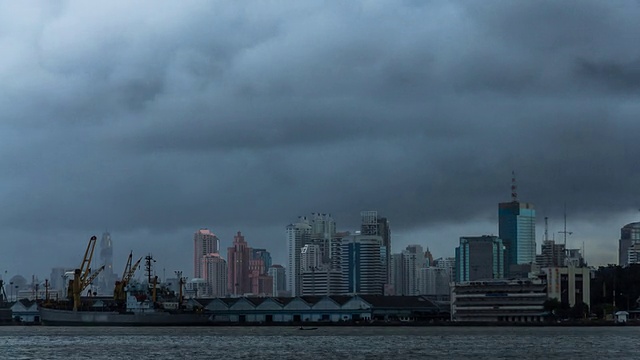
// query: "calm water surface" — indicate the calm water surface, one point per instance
point(40, 342)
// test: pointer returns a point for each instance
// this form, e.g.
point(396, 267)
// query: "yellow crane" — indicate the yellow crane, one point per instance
point(83, 276)
point(127, 274)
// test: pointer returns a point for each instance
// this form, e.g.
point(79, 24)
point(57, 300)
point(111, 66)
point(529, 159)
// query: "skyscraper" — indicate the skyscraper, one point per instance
point(239, 256)
point(372, 224)
point(106, 279)
point(215, 274)
point(277, 272)
point(361, 267)
point(629, 238)
point(204, 242)
point(298, 235)
point(479, 258)
point(517, 229)
point(263, 255)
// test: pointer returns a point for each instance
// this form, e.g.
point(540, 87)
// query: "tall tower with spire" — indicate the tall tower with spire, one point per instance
point(517, 228)
point(106, 279)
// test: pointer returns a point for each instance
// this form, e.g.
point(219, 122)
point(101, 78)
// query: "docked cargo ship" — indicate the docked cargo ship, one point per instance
point(133, 303)
point(139, 311)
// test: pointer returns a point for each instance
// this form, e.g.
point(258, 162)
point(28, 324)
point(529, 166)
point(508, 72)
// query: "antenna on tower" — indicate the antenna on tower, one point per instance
point(546, 228)
point(514, 193)
point(565, 232)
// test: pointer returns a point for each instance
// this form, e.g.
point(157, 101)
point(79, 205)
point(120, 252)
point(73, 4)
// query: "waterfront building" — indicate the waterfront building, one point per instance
point(480, 258)
point(239, 257)
point(629, 236)
point(277, 273)
point(499, 301)
point(214, 275)
point(517, 230)
point(298, 235)
point(204, 242)
point(372, 224)
point(361, 265)
point(570, 285)
point(324, 309)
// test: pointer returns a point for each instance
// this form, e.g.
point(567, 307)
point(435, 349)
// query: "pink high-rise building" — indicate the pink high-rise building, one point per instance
point(238, 258)
point(204, 242)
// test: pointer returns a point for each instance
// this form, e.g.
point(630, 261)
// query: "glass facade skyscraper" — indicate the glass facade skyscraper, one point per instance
point(517, 229)
point(479, 258)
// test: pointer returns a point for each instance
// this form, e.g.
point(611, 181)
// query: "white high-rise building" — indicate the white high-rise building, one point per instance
point(204, 242)
point(214, 269)
point(405, 270)
point(298, 235)
point(310, 258)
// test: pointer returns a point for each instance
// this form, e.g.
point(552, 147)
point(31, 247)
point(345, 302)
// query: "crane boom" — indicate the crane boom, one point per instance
point(85, 267)
point(82, 274)
point(93, 276)
point(127, 274)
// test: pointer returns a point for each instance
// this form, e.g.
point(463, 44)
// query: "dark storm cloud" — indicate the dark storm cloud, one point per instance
point(155, 120)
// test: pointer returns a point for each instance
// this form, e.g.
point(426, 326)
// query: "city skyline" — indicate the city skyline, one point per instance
point(151, 121)
point(281, 254)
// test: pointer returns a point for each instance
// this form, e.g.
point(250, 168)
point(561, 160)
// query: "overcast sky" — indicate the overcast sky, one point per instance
point(153, 119)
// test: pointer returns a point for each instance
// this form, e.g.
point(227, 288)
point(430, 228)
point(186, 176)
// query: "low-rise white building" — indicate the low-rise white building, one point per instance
point(570, 285)
point(499, 300)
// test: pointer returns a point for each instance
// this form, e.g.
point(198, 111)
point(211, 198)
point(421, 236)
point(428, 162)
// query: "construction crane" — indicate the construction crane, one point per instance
point(83, 276)
point(127, 274)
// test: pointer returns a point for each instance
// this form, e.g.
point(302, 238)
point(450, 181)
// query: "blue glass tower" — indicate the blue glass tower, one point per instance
point(517, 229)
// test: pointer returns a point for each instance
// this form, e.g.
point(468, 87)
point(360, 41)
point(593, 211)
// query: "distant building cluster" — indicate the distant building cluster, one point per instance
point(489, 277)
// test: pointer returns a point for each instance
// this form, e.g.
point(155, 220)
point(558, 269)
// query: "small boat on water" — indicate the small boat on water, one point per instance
point(304, 328)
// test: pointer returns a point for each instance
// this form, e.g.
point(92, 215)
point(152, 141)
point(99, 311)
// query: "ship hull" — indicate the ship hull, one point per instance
point(55, 317)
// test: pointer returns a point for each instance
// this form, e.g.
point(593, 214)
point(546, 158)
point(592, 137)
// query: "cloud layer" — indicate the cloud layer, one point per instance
point(156, 119)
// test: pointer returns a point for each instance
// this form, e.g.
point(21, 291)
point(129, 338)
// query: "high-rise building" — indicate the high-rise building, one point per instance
point(58, 282)
point(405, 270)
point(433, 281)
point(310, 258)
point(551, 254)
point(517, 230)
point(277, 273)
point(204, 242)
point(239, 256)
point(319, 282)
point(372, 224)
point(479, 258)
point(361, 266)
point(106, 279)
point(215, 274)
point(298, 235)
point(629, 236)
point(263, 255)
point(449, 264)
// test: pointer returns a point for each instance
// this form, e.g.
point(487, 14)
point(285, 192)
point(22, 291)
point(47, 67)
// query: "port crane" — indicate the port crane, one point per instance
point(83, 276)
point(127, 274)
